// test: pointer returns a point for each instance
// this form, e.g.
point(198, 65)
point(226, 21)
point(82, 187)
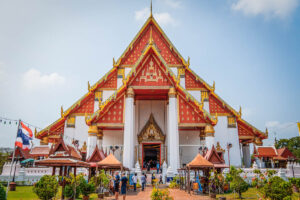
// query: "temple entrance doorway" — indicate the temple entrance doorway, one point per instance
point(151, 155)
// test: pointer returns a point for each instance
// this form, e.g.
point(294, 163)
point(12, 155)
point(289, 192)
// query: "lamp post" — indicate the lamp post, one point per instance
point(203, 150)
point(291, 159)
point(114, 148)
point(229, 145)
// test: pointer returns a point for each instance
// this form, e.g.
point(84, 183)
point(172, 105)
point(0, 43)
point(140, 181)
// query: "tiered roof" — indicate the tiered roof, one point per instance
point(63, 155)
point(152, 41)
point(199, 162)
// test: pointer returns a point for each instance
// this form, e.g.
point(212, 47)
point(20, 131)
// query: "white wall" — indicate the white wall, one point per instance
point(196, 94)
point(225, 135)
point(106, 94)
point(113, 138)
point(80, 132)
point(189, 142)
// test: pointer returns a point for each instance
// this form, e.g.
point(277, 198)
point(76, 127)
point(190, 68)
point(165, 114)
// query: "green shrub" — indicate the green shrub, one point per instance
point(277, 189)
point(46, 188)
point(237, 183)
point(69, 191)
point(2, 193)
point(86, 188)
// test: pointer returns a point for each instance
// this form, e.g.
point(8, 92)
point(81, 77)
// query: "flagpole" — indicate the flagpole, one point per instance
point(12, 162)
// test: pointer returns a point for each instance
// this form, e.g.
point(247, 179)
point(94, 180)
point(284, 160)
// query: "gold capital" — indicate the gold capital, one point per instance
point(172, 92)
point(130, 92)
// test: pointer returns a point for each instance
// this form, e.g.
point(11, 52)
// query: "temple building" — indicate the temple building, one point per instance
point(151, 106)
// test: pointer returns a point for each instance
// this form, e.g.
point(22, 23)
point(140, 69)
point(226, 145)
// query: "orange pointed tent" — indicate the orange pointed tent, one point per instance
point(199, 162)
point(110, 162)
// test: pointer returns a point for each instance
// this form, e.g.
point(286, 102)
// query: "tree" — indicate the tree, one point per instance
point(72, 186)
point(237, 183)
point(86, 188)
point(277, 189)
point(46, 188)
point(2, 193)
point(293, 144)
point(3, 159)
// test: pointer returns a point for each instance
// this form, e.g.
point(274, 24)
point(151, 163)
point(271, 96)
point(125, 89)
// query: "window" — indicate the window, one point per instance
point(231, 121)
point(71, 122)
point(204, 95)
point(98, 96)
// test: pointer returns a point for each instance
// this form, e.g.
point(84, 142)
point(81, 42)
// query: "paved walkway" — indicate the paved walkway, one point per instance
point(175, 193)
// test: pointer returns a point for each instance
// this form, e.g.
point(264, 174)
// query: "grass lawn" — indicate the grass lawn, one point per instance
point(26, 193)
point(252, 193)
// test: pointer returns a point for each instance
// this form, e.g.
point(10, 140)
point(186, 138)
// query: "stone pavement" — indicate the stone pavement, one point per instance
point(175, 193)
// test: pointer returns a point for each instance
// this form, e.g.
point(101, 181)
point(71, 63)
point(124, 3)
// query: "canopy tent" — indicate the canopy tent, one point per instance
point(27, 161)
point(198, 163)
point(111, 162)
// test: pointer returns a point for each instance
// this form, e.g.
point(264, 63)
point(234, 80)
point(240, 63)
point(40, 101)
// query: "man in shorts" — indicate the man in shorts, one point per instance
point(124, 181)
point(116, 185)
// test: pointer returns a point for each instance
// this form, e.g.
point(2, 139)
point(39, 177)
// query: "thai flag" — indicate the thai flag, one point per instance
point(23, 137)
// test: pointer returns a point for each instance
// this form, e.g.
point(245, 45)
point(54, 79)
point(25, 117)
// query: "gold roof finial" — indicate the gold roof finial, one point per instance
point(214, 86)
point(61, 111)
point(267, 132)
point(240, 111)
point(89, 86)
point(151, 8)
point(114, 62)
point(188, 62)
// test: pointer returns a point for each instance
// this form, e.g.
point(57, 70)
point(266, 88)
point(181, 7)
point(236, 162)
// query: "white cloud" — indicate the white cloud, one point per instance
point(267, 8)
point(173, 3)
point(34, 79)
point(163, 18)
point(276, 125)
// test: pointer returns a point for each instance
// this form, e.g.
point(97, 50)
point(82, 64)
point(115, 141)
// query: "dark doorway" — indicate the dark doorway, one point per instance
point(151, 155)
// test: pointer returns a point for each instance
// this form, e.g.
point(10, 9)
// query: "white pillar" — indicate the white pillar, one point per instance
point(173, 133)
point(129, 142)
point(92, 140)
point(209, 136)
point(246, 155)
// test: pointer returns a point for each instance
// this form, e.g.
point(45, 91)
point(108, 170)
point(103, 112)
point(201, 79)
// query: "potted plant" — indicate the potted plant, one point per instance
point(72, 189)
point(101, 182)
point(86, 189)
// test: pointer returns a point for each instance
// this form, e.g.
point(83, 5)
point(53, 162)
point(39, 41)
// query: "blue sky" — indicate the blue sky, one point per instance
point(50, 49)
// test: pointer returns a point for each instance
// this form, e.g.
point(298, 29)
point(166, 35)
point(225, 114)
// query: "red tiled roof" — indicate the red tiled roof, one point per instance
point(266, 152)
point(199, 161)
point(61, 162)
point(40, 150)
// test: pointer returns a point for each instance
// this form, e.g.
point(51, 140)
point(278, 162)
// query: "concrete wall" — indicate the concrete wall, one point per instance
point(189, 142)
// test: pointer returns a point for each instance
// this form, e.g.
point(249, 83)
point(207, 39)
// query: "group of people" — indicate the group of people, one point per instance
point(151, 164)
point(121, 182)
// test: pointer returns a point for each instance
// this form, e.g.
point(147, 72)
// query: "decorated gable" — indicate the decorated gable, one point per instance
point(87, 106)
point(187, 113)
point(114, 113)
point(215, 106)
point(165, 49)
point(244, 130)
point(111, 83)
point(191, 82)
point(150, 74)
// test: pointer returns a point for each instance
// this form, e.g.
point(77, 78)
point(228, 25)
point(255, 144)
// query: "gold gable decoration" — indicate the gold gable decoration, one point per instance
point(151, 131)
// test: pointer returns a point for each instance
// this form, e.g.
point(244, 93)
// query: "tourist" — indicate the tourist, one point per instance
point(152, 179)
point(143, 180)
point(134, 180)
point(116, 185)
point(123, 185)
point(160, 179)
point(157, 167)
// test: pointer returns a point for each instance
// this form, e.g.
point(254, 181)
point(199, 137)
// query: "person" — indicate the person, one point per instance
point(116, 185)
point(124, 181)
point(160, 179)
point(157, 167)
point(134, 180)
point(143, 180)
point(152, 179)
point(148, 166)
